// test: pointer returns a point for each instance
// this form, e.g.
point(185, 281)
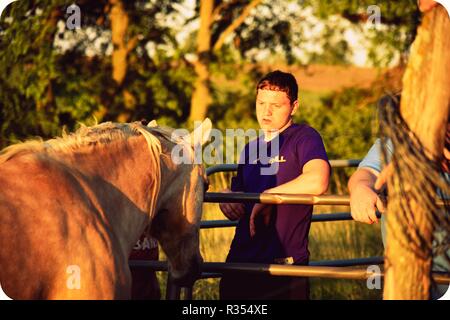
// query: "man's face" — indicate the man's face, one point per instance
point(274, 109)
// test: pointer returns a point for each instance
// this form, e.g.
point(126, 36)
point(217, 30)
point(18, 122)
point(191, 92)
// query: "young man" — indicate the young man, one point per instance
point(279, 234)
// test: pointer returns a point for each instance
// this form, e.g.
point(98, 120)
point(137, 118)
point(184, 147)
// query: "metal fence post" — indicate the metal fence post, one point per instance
point(173, 291)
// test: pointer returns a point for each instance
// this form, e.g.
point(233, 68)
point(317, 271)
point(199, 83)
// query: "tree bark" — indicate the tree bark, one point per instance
point(201, 98)
point(119, 25)
point(424, 107)
point(121, 48)
point(235, 24)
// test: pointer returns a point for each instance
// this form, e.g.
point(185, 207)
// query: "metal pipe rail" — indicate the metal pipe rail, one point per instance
point(162, 265)
point(322, 263)
point(340, 163)
point(322, 217)
point(278, 198)
point(356, 273)
point(315, 271)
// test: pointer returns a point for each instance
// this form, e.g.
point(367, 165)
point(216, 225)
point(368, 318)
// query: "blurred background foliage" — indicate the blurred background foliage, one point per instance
point(132, 59)
point(52, 77)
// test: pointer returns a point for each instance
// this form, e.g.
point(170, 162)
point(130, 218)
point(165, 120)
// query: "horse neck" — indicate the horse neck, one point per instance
point(120, 178)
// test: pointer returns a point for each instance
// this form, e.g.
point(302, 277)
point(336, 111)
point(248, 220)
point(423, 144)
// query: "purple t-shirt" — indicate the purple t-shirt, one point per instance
point(286, 235)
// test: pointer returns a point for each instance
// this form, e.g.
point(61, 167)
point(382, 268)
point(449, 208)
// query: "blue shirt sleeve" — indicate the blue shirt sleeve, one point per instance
point(310, 147)
point(373, 159)
point(237, 182)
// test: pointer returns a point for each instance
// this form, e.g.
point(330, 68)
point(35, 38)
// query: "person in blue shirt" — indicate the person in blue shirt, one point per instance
point(365, 200)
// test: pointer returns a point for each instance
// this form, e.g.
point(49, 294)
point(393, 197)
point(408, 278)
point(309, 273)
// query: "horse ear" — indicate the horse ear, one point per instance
point(202, 133)
point(152, 124)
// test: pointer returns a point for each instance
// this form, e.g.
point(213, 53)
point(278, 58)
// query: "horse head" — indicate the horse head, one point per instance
point(179, 208)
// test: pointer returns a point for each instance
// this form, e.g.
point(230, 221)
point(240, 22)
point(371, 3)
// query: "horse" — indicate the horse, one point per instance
point(73, 207)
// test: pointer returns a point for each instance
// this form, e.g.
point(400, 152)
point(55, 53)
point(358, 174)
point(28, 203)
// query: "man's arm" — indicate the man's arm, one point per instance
point(233, 211)
point(363, 177)
point(363, 198)
point(313, 180)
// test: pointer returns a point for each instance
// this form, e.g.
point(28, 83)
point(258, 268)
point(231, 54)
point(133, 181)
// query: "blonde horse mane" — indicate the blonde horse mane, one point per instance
point(101, 134)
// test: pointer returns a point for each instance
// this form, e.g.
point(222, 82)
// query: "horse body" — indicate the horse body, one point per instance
point(69, 220)
point(47, 227)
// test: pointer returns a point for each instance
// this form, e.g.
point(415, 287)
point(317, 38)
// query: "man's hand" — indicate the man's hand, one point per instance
point(264, 211)
point(384, 175)
point(363, 203)
point(232, 211)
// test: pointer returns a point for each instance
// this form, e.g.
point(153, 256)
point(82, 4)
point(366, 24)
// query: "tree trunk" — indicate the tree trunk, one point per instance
point(48, 34)
point(424, 107)
point(201, 97)
point(119, 26)
point(121, 48)
point(235, 24)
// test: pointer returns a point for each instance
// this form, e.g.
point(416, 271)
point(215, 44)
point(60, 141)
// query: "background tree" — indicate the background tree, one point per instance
point(229, 20)
point(399, 21)
point(53, 77)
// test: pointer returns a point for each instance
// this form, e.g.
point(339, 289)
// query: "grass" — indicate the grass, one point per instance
point(343, 240)
point(327, 241)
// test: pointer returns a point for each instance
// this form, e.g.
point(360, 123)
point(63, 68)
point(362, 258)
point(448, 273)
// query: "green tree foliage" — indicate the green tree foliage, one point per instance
point(44, 88)
point(346, 120)
point(399, 21)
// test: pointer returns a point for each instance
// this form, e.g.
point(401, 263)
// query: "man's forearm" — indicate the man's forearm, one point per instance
point(306, 183)
point(362, 177)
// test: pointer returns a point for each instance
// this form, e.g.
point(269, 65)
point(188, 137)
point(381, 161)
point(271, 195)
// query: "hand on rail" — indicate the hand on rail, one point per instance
point(232, 211)
point(264, 212)
point(363, 203)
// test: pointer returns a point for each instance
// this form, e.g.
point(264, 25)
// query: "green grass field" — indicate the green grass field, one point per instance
point(328, 241)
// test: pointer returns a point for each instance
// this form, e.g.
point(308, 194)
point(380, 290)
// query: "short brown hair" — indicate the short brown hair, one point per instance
point(279, 81)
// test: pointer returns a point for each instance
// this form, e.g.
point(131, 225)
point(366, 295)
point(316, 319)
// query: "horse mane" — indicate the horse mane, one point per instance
point(103, 133)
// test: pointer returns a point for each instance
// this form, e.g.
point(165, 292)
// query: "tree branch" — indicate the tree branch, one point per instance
point(235, 24)
point(222, 6)
point(131, 44)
